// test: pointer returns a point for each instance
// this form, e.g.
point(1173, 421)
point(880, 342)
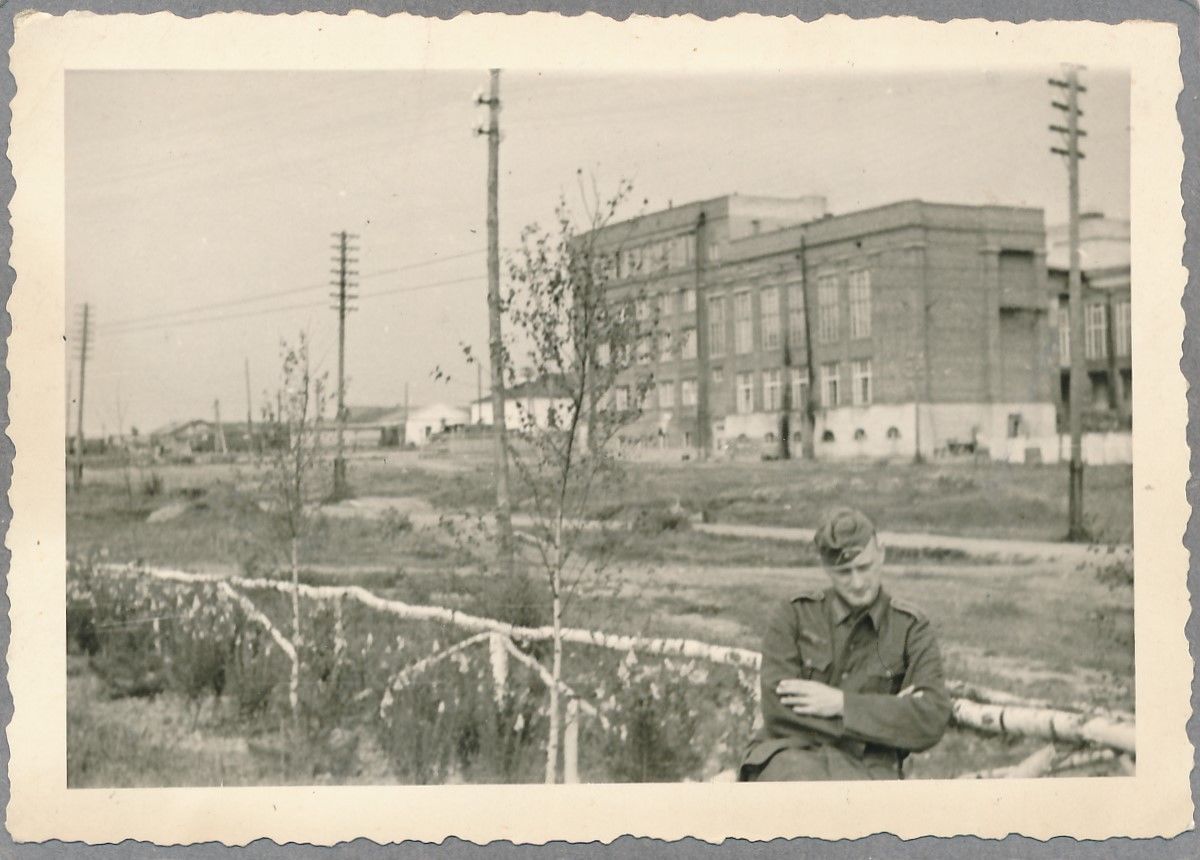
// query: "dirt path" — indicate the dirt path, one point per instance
point(986, 547)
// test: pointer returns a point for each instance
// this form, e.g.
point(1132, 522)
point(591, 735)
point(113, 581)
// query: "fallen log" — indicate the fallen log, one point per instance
point(991, 696)
point(1046, 723)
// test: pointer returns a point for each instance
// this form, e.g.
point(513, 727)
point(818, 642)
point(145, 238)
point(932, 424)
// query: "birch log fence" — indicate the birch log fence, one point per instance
point(1093, 735)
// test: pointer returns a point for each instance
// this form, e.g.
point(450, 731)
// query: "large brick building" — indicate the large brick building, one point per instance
point(929, 323)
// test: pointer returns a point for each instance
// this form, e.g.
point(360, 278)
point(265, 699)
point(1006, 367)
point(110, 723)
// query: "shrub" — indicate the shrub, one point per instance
point(670, 719)
point(448, 724)
point(152, 485)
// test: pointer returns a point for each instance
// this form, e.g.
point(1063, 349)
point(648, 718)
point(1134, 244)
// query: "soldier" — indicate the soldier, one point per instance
point(851, 677)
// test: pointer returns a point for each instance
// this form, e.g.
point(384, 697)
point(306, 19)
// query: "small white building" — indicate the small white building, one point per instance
point(528, 400)
point(425, 422)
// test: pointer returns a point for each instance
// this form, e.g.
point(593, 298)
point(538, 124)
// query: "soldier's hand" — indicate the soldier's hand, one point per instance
point(810, 698)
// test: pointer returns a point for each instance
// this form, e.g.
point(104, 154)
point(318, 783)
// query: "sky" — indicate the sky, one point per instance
point(201, 205)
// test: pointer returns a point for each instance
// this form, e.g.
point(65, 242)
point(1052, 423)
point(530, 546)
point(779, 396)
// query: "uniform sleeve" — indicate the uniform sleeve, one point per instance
point(915, 720)
point(781, 659)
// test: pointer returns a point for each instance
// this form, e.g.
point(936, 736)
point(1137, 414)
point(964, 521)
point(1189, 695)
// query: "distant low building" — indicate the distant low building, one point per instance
point(527, 402)
point(182, 438)
point(428, 421)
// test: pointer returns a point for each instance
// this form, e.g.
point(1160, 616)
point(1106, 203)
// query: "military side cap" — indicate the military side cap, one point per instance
point(842, 535)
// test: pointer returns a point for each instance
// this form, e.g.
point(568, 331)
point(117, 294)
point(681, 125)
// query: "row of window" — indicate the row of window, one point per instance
point(1095, 330)
point(769, 318)
point(662, 255)
point(754, 391)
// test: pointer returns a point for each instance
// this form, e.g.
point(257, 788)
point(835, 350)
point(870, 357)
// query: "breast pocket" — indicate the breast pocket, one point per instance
point(815, 667)
point(883, 672)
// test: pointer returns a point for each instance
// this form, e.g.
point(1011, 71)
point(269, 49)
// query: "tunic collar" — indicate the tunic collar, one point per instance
point(841, 611)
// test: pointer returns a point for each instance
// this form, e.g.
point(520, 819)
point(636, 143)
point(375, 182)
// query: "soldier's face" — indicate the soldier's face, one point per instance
point(857, 582)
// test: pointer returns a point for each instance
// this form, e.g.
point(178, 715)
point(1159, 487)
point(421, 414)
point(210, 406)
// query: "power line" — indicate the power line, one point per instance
point(159, 326)
point(118, 324)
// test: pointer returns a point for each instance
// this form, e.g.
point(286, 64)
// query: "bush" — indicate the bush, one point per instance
point(152, 485)
point(670, 720)
point(448, 725)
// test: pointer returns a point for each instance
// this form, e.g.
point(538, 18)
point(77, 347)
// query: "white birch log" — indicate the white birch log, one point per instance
point(1084, 758)
point(991, 696)
point(256, 615)
point(548, 679)
point(1035, 765)
point(401, 678)
point(1046, 723)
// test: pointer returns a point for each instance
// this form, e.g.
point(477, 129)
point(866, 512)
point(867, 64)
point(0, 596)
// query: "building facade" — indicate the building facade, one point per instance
point(926, 326)
point(1107, 347)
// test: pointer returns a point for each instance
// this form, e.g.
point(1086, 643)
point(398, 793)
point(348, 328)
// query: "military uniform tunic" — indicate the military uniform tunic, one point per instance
point(886, 661)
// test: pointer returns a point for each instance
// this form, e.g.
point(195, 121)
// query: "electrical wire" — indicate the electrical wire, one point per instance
point(133, 321)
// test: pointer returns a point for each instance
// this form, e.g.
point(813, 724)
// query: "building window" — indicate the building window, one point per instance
point(1095, 344)
point(687, 392)
point(829, 385)
point(643, 309)
point(827, 308)
point(716, 325)
point(718, 376)
point(664, 306)
point(828, 436)
point(679, 252)
point(860, 304)
point(689, 301)
point(861, 373)
point(799, 383)
point(1064, 333)
point(666, 394)
point(665, 346)
point(893, 432)
point(768, 302)
point(621, 397)
point(687, 343)
point(772, 390)
point(1121, 329)
point(796, 304)
point(745, 392)
point(743, 320)
point(860, 435)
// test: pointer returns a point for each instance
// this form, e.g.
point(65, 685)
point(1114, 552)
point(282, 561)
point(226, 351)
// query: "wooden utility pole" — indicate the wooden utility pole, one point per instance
point(807, 439)
point(84, 331)
point(784, 304)
point(703, 347)
point(1076, 530)
point(406, 439)
point(249, 411)
point(345, 284)
point(219, 432)
point(495, 333)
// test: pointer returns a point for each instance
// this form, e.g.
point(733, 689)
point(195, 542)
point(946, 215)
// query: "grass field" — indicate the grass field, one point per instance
point(1042, 630)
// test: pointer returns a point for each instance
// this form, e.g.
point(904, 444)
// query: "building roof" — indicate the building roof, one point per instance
point(373, 414)
point(548, 386)
point(1104, 243)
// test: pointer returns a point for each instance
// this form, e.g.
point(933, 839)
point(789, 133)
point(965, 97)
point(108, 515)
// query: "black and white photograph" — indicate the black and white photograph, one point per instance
point(512, 425)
